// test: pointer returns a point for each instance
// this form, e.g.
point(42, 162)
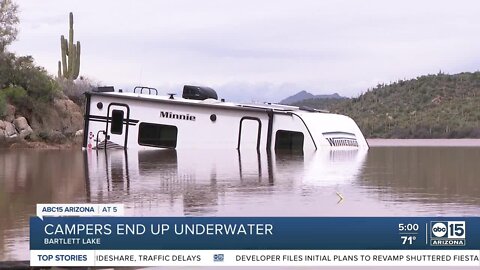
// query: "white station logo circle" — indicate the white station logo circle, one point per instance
point(439, 229)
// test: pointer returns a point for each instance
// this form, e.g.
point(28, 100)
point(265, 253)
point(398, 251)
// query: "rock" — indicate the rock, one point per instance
point(10, 113)
point(23, 128)
point(10, 130)
point(64, 116)
point(78, 137)
point(21, 123)
point(26, 132)
point(56, 137)
point(79, 133)
point(3, 125)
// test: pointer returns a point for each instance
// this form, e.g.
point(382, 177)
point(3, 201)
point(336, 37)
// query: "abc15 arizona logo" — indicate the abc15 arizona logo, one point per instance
point(447, 233)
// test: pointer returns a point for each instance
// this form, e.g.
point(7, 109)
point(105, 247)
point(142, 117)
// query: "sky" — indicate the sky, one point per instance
point(255, 50)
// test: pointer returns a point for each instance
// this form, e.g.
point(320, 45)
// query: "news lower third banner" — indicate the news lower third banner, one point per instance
point(253, 241)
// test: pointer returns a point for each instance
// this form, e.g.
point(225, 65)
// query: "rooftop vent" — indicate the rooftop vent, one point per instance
point(104, 89)
point(198, 92)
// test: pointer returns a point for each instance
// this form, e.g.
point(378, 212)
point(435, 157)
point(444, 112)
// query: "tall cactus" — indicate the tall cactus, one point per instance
point(69, 67)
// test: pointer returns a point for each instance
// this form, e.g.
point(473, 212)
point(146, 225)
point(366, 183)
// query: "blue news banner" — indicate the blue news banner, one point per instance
point(255, 233)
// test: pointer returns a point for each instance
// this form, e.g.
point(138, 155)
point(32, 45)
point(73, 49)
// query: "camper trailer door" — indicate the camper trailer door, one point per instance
point(117, 124)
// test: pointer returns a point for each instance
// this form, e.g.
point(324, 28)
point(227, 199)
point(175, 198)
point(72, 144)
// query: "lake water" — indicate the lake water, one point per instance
point(420, 178)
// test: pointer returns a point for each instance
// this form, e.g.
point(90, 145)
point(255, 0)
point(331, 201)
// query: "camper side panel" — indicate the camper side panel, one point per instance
point(153, 125)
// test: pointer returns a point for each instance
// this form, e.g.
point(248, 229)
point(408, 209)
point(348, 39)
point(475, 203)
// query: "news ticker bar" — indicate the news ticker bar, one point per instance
point(148, 258)
point(255, 233)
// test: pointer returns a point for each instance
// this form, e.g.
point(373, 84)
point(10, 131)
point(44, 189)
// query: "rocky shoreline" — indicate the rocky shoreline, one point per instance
point(18, 128)
point(56, 127)
point(41, 145)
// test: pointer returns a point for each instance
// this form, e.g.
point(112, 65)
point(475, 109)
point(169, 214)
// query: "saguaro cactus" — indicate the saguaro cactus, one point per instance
point(69, 67)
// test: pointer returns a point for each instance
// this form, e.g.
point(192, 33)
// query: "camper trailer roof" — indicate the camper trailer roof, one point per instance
point(207, 102)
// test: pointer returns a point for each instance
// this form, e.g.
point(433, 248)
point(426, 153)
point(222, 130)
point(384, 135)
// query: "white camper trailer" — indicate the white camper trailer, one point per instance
point(142, 119)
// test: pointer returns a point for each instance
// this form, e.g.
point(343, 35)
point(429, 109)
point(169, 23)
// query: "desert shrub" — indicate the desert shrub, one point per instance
point(14, 94)
point(35, 80)
point(75, 90)
point(3, 105)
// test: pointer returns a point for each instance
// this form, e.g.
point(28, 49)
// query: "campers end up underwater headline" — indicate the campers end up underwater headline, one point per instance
point(158, 229)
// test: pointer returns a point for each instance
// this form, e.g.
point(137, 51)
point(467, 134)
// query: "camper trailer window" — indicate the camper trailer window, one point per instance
point(117, 122)
point(157, 135)
point(289, 140)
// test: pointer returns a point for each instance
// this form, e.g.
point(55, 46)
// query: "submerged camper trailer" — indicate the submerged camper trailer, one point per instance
point(142, 119)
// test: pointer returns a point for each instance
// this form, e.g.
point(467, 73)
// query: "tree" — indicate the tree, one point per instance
point(8, 23)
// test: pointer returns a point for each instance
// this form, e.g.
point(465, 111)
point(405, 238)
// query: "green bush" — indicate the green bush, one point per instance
point(3, 105)
point(35, 80)
point(22, 72)
point(14, 94)
point(6, 69)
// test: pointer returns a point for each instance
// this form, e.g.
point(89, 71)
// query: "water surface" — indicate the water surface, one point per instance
point(415, 180)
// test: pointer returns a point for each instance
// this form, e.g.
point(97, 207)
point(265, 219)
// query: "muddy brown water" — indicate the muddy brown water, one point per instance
point(392, 178)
